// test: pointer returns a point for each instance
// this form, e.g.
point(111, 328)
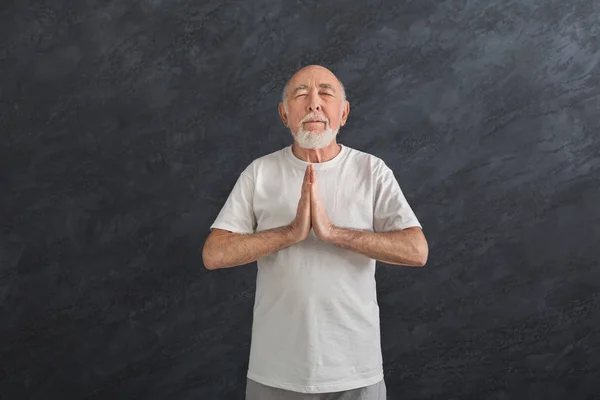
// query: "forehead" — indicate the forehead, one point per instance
point(314, 77)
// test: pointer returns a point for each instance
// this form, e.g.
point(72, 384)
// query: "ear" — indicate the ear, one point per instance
point(345, 113)
point(282, 114)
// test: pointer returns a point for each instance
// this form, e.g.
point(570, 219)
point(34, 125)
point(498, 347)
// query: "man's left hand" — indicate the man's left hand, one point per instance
point(321, 224)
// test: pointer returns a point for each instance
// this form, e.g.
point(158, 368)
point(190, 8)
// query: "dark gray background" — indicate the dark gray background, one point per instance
point(125, 124)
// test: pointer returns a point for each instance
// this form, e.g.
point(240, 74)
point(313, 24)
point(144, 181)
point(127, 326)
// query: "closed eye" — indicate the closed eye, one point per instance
point(304, 94)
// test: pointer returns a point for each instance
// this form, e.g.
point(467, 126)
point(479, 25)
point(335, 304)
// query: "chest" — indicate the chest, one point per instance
point(347, 197)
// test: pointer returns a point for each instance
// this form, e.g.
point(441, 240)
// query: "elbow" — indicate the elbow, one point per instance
point(423, 254)
point(208, 259)
point(419, 249)
point(208, 263)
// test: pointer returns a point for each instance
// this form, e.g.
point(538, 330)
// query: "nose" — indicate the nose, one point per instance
point(314, 103)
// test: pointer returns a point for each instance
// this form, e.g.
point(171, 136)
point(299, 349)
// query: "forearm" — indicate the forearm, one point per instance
point(239, 249)
point(403, 247)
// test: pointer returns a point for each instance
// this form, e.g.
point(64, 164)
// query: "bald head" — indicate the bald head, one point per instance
point(312, 69)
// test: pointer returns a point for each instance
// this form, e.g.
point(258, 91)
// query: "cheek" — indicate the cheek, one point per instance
point(335, 112)
point(334, 118)
point(295, 121)
point(294, 124)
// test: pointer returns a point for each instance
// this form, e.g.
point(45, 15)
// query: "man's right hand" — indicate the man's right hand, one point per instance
point(225, 249)
point(302, 223)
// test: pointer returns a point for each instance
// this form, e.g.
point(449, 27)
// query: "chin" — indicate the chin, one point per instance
point(315, 140)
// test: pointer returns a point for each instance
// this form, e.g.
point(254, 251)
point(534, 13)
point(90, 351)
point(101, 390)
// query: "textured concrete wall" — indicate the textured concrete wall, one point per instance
point(124, 125)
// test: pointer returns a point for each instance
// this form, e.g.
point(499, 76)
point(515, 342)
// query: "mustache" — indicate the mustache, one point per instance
point(315, 117)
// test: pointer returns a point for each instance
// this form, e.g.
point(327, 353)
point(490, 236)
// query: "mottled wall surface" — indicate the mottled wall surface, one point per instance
point(125, 124)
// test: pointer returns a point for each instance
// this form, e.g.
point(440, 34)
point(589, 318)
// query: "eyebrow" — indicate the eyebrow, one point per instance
point(322, 86)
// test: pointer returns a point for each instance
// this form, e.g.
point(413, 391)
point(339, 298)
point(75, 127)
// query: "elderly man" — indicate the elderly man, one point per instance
point(315, 215)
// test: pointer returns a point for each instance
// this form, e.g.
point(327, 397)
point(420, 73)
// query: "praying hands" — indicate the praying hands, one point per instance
point(311, 211)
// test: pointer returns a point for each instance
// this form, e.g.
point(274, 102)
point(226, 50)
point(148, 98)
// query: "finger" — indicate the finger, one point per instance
point(306, 184)
point(305, 192)
point(306, 181)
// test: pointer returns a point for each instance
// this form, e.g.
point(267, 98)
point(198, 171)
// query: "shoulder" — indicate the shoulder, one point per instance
point(375, 163)
point(273, 157)
point(264, 163)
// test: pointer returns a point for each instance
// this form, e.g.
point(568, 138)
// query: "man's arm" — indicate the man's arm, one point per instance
point(224, 249)
point(401, 247)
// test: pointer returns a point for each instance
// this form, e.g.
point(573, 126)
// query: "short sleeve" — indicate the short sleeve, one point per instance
point(237, 215)
point(391, 211)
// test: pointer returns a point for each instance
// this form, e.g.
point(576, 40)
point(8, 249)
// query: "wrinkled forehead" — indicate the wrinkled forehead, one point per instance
point(319, 77)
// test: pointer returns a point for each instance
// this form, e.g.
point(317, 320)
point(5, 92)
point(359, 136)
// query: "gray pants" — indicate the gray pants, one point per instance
point(258, 391)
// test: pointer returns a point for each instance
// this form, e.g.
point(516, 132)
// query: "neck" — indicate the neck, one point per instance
point(317, 155)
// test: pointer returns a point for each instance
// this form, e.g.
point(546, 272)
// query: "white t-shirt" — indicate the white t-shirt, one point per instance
point(316, 318)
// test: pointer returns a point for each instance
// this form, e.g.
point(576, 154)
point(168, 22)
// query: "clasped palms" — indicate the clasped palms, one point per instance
point(311, 210)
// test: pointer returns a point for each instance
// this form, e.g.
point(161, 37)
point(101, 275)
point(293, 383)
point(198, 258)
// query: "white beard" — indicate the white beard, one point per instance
point(310, 140)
